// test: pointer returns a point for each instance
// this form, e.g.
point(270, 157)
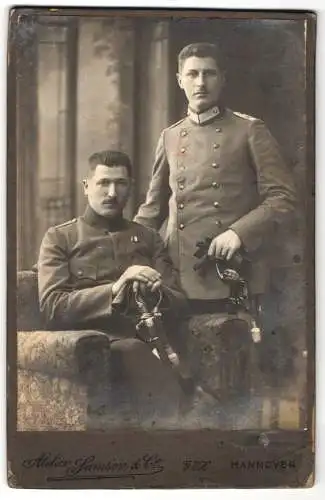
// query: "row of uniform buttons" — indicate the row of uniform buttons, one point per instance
point(215, 146)
point(184, 132)
point(216, 204)
point(181, 205)
point(213, 165)
point(217, 222)
point(215, 185)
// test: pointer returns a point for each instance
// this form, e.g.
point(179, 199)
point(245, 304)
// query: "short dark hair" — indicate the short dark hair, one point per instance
point(110, 158)
point(200, 49)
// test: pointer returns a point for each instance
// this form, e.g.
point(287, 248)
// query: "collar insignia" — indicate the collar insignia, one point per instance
point(201, 118)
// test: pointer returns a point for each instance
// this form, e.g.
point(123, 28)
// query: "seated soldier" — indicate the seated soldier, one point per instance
point(91, 266)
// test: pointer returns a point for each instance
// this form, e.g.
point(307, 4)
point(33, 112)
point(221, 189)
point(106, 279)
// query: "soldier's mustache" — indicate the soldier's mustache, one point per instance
point(201, 91)
point(110, 201)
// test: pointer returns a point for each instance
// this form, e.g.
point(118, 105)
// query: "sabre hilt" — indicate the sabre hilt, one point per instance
point(147, 317)
point(234, 273)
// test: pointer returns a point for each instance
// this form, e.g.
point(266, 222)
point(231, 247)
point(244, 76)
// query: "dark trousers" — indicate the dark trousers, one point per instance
point(141, 383)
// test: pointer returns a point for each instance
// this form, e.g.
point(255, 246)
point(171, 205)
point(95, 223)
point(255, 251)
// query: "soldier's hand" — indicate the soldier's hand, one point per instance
point(144, 288)
point(225, 245)
point(143, 274)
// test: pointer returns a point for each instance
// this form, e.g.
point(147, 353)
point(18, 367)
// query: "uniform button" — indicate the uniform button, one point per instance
point(181, 226)
point(218, 130)
point(181, 206)
point(183, 150)
point(182, 167)
point(215, 165)
point(215, 184)
point(183, 133)
point(80, 272)
point(218, 223)
point(106, 232)
point(216, 146)
point(216, 204)
point(181, 186)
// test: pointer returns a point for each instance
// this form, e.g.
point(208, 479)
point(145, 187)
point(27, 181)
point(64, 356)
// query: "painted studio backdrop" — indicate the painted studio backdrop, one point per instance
point(87, 83)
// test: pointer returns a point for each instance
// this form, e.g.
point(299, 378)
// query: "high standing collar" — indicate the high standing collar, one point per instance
point(94, 219)
point(206, 116)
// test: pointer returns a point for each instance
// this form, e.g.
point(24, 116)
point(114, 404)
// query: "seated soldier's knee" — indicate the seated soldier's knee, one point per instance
point(127, 346)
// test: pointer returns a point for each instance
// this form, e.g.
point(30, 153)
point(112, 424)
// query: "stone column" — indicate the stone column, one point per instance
point(152, 96)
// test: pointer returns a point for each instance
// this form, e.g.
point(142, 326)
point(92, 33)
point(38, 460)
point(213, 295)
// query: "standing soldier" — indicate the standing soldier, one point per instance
point(217, 174)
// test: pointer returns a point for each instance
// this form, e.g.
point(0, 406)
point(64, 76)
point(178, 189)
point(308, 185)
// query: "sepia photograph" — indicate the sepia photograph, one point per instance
point(161, 250)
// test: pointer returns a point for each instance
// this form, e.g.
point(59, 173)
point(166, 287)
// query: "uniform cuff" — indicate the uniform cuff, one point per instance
point(249, 241)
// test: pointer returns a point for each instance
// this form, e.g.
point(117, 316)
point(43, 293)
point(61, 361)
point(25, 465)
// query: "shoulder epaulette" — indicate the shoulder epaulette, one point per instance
point(246, 117)
point(175, 124)
point(71, 221)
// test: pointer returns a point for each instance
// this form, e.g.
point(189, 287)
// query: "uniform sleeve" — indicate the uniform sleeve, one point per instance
point(275, 186)
point(59, 302)
point(154, 210)
point(173, 296)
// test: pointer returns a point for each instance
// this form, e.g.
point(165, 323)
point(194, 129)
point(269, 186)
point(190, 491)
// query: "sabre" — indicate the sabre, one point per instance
point(150, 330)
point(240, 295)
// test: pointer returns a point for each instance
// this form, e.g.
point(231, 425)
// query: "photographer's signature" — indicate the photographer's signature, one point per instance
point(89, 467)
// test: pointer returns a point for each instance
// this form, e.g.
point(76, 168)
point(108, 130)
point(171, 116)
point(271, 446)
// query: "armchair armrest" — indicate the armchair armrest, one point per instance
point(28, 313)
point(61, 374)
point(81, 354)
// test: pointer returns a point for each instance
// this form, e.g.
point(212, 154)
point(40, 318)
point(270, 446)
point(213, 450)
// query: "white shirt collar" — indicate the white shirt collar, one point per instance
point(201, 118)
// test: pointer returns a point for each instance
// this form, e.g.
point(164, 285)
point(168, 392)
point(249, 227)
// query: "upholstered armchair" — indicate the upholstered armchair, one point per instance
point(63, 376)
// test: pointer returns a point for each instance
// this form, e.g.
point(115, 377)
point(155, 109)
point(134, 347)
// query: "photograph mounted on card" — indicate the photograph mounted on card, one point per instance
point(160, 251)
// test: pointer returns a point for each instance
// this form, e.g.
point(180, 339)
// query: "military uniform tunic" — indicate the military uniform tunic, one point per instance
point(221, 172)
point(80, 260)
point(78, 263)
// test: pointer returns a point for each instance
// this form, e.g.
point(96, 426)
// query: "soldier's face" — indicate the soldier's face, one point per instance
point(108, 189)
point(202, 81)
